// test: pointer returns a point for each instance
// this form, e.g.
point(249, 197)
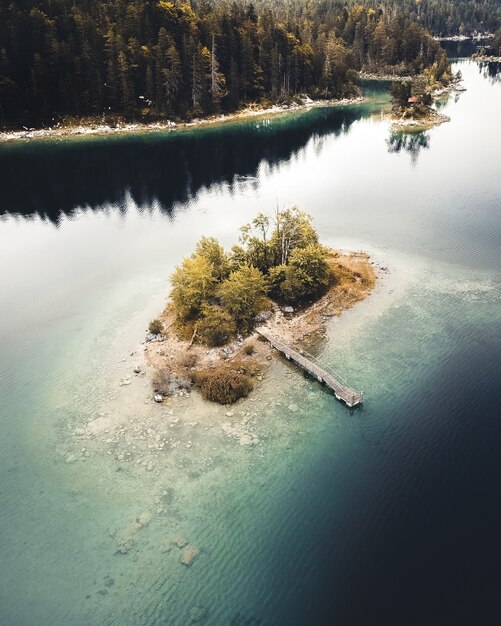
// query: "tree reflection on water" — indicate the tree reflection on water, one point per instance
point(408, 142)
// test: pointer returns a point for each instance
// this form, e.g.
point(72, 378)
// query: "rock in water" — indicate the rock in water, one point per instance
point(166, 546)
point(188, 555)
point(181, 542)
point(197, 613)
point(144, 519)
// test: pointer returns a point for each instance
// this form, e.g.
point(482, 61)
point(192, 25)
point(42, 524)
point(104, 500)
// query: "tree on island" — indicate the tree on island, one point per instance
point(193, 287)
point(306, 275)
point(216, 294)
point(243, 295)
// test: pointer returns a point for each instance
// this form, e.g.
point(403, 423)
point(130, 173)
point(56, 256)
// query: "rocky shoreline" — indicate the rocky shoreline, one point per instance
point(185, 436)
point(417, 124)
point(487, 59)
point(95, 128)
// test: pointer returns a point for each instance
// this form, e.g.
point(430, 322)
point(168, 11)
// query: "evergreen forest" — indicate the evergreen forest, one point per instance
point(158, 59)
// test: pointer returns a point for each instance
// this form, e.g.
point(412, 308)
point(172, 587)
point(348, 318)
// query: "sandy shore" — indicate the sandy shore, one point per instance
point(93, 128)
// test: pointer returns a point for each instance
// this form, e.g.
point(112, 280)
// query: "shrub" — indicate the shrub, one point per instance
point(216, 327)
point(161, 381)
point(167, 383)
point(249, 349)
point(156, 327)
point(223, 385)
point(189, 360)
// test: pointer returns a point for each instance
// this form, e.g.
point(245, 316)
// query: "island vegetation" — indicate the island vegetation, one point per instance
point(146, 60)
point(491, 52)
point(412, 100)
point(279, 275)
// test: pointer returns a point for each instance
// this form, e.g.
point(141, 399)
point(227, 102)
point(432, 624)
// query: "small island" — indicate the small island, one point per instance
point(412, 101)
point(491, 53)
point(279, 276)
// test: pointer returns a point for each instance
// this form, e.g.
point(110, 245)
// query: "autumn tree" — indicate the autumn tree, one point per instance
point(292, 229)
point(305, 277)
point(213, 252)
point(243, 295)
point(193, 286)
point(216, 326)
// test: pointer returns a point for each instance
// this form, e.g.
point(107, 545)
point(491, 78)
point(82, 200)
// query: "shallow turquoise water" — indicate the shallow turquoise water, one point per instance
point(389, 515)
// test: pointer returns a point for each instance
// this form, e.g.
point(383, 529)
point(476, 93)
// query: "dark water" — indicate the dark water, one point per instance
point(390, 515)
point(461, 49)
point(154, 169)
point(419, 530)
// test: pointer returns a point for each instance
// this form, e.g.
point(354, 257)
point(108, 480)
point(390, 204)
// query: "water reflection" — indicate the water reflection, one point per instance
point(50, 179)
point(408, 142)
point(491, 70)
point(462, 49)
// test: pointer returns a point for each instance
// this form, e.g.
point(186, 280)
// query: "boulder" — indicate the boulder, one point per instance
point(262, 316)
point(166, 547)
point(197, 613)
point(181, 541)
point(144, 519)
point(188, 555)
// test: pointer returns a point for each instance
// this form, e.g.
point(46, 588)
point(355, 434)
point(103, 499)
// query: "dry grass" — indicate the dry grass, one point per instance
point(223, 385)
point(167, 382)
point(249, 348)
point(189, 360)
point(227, 382)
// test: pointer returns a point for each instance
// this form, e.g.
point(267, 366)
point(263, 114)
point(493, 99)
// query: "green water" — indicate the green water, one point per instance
point(325, 512)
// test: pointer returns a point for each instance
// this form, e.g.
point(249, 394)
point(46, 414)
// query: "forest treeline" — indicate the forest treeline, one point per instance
point(440, 17)
point(144, 59)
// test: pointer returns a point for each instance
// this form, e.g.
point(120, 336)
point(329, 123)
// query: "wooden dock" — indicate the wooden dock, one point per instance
point(322, 373)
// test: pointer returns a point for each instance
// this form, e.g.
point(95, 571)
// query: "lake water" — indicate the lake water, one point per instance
point(389, 515)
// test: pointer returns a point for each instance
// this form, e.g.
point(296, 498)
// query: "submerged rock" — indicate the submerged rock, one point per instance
point(189, 555)
point(123, 547)
point(144, 519)
point(181, 541)
point(197, 613)
point(245, 440)
point(166, 547)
